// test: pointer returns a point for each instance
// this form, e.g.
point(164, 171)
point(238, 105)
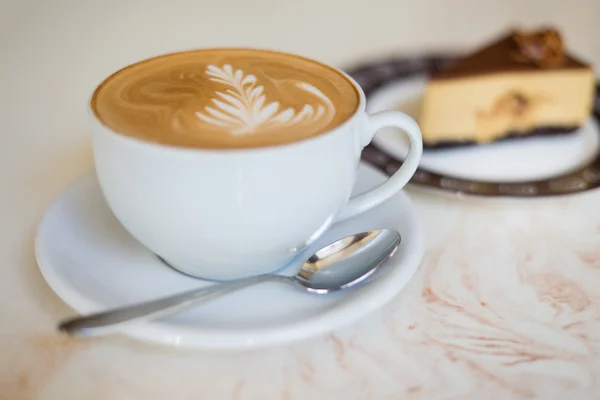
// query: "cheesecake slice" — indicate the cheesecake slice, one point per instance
point(520, 85)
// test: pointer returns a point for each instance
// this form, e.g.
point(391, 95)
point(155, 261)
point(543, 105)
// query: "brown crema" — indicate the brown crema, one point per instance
point(225, 98)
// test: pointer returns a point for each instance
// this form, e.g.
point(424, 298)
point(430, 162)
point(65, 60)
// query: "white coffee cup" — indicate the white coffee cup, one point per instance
point(227, 214)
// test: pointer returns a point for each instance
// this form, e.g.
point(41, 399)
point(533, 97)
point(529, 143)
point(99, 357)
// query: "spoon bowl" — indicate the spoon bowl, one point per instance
point(348, 261)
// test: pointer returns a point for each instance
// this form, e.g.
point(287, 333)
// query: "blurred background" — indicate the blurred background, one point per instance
point(340, 32)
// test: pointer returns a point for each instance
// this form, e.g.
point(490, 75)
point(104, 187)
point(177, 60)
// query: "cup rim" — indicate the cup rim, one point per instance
point(360, 108)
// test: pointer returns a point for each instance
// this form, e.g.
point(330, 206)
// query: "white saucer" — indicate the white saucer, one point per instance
point(520, 160)
point(93, 264)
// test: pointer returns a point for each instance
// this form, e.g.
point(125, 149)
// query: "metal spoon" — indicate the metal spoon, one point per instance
point(337, 266)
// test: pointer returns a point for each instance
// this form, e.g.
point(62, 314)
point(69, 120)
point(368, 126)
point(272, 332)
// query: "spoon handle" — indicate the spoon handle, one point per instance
point(109, 321)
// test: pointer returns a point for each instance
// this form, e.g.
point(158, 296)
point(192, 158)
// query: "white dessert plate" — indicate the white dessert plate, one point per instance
point(93, 264)
point(526, 167)
point(532, 158)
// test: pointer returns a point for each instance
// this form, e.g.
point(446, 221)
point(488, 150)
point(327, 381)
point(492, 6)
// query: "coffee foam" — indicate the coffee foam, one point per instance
point(225, 98)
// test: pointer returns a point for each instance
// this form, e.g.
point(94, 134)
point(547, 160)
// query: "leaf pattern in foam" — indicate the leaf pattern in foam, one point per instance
point(242, 108)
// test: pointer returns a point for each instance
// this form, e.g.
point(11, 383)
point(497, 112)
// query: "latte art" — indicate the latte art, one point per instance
point(225, 98)
point(242, 108)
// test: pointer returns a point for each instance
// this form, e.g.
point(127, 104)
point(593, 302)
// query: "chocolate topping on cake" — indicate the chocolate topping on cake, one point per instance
point(544, 48)
point(516, 51)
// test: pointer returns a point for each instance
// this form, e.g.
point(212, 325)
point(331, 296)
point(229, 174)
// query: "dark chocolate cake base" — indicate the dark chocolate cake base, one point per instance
point(541, 131)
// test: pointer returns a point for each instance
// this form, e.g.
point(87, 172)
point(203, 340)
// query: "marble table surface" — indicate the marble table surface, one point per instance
point(506, 304)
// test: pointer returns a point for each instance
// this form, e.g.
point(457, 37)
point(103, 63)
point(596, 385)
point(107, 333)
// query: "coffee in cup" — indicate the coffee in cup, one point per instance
point(225, 98)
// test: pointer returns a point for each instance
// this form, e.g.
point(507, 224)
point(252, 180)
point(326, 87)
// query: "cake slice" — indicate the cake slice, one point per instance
point(522, 84)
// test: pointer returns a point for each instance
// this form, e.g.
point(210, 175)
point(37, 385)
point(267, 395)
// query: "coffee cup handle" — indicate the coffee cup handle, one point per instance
point(365, 201)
